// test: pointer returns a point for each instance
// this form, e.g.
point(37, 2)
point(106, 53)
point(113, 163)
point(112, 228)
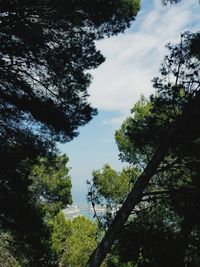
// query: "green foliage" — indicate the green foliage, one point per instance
point(81, 242)
point(163, 229)
point(73, 240)
point(6, 254)
point(47, 49)
point(112, 186)
point(132, 149)
point(157, 236)
point(60, 232)
point(51, 183)
point(141, 109)
point(29, 199)
point(176, 86)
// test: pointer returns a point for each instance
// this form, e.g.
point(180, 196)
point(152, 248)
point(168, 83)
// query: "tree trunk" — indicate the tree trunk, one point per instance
point(132, 200)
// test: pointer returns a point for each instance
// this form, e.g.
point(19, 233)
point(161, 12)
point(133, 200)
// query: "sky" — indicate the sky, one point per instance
point(132, 60)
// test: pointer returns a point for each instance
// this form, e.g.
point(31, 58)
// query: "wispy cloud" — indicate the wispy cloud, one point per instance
point(116, 121)
point(105, 141)
point(133, 58)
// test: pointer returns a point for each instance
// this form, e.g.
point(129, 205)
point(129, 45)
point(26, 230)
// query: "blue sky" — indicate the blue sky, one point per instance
point(132, 60)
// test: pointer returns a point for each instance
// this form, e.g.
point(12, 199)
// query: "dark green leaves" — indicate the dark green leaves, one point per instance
point(47, 49)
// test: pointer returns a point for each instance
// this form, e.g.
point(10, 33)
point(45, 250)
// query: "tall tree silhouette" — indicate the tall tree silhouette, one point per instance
point(47, 48)
point(178, 93)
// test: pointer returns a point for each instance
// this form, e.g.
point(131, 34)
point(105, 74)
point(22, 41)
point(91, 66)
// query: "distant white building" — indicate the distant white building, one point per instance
point(71, 211)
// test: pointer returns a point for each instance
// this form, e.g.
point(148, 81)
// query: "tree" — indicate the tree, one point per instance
point(32, 191)
point(107, 184)
point(134, 150)
point(47, 49)
point(73, 240)
point(81, 242)
point(110, 188)
point(60, 232)
point(51, 184)
point(178, 96)
point(6, 257)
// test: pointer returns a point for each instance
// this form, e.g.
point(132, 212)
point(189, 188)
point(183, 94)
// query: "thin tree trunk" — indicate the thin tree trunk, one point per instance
point(142, 182)
point(132, 200)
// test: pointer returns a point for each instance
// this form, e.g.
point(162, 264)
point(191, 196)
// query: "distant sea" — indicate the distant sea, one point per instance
point(87, 213)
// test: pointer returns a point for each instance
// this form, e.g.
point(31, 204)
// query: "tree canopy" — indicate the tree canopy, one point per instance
point(33, 190)
point(47, 49)
point(159, 142)
point(73, 240)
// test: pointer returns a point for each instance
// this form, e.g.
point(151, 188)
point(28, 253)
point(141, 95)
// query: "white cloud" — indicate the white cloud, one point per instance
point(133, 58)
point(116, 121)
point(105, 141)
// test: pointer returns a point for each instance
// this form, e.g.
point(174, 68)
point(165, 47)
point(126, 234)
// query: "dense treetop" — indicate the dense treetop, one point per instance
point(47, 48)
